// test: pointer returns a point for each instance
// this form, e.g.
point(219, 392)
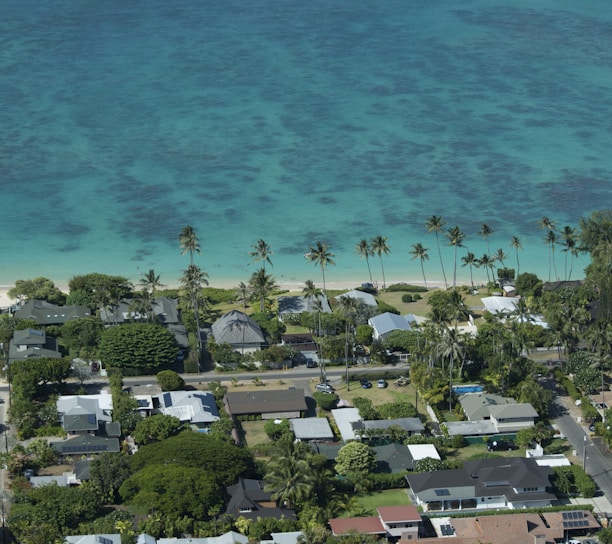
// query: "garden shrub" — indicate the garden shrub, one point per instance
point(325, 401)
point(383, 480)
point(407, 297)
point(407, 288)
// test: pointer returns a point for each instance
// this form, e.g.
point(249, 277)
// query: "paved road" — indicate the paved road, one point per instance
point(598, 461)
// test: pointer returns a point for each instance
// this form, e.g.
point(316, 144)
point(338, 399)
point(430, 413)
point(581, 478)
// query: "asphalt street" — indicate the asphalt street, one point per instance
point(593, 452)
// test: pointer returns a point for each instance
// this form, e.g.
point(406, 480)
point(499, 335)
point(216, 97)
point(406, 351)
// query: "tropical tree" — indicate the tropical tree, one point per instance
point(436, 224)
point(487, 263)
point(546, 224)
point(515, 242)
point(471, 261)
point(551, 240)
point(500, 256)
point(379, 247)
point(321, 256)
point(150, 282)
point(568, 240)
point(363, 249)
point(452, 349)
point(192, 281)
point(261, 252)
point(419, 251)
point(455, 238)
point(486, 231)
point(261, 286)
point(189, 242)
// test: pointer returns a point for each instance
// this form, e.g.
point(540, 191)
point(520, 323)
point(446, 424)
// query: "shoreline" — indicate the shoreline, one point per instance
point(293, 286)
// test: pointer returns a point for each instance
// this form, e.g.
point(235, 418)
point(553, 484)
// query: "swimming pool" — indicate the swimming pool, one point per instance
point(461, 389)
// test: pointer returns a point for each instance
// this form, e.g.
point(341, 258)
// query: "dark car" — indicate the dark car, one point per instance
point(311, 364)
point(499, 445)
point(365, 383)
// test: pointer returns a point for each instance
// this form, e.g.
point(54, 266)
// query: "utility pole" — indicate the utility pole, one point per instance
point(584, 445)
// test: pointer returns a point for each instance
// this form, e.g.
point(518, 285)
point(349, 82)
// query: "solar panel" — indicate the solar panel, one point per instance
point(442, 492)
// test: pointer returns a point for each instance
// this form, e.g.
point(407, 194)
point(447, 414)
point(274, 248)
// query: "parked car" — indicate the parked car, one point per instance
point(365, 383)
point(381, 384)
point(499, 445)
point(311, 364)
point(325, 388)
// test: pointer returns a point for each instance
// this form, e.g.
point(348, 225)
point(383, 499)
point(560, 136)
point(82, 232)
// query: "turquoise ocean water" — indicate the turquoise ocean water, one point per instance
point(294, 122)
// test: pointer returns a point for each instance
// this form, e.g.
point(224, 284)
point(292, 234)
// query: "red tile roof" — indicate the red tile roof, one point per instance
point(370, 525)
point(390, 514)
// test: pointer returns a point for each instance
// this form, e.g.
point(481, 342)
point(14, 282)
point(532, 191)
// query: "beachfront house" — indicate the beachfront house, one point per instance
point(301, 304)
point(45, 313)
point(238, 330)
point(360, 296)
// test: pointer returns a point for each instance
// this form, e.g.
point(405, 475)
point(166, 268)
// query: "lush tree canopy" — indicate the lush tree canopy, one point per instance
point(142, 346)
point(39, 288)
point(355, 460)
point(108, 472)
point(173, 491)
point(82, 334)
point(195, 450)
point(156, 428)
point(169, 380)
point(99, 289)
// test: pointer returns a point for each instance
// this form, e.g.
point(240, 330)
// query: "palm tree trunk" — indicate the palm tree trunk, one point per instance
point(383, 273)
point(369, 270)
point(441, 261)
point(423, 272)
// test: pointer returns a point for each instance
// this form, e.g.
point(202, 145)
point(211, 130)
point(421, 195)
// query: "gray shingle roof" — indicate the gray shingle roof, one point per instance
point(265, 402)
point(312, 428)
point(237, 329)
point(45, 313)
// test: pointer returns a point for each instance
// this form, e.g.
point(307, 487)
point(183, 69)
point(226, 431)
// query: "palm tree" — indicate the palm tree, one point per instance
point(515, 242)
point(500, 256)
point(487, 263)
point(471, 261)
point(546, 224)
point(192, 281)
point(321, 256)
point(551, 240)
point(261, 252)
point(290, 480)
point(436, 224)
point(141, 306)
point(455, 238)
point(453, 349)
point(419, 251)
point(261, 285)
point(363, 249)
point(243, 292)
point(189, 242)
point(486, 231)
point(150, 281)
point(379, 246)
point(568, 237)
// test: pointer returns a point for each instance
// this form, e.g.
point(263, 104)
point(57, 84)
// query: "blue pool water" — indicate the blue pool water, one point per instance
point(462, 389)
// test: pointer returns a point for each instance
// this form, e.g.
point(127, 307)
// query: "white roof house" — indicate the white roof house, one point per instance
point(311, 428)
point(197, 407)
point(94, 539)
point(506, 305)
point(347, 419)
point(227, 538)
point(422, 451)
point(386, 323)
point(366, 298)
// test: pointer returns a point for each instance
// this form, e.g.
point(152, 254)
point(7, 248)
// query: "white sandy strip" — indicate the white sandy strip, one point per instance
point(5, 301)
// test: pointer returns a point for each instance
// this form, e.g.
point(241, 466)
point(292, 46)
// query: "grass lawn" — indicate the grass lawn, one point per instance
point(254, 432)
point(388, 497)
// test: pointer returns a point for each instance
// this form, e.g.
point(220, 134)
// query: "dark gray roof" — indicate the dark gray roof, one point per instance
point(512, 472)
point(329, 451)
point(265, 402)
point(238, 329)
point(82, 470)
point(164, 309)
point(410, 424)
point(300, 304)
point(392, 458)
point(86, 444)
point(312, 428)
point(45, 313)
point(247, 494)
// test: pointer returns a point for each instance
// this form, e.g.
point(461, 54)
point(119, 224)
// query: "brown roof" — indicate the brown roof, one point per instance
point(265, 402)
point(390, 514)
point(511, 529)
point(370, 525)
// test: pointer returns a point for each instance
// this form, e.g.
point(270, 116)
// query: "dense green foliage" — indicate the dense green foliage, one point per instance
point(168, 380)
point(217, 456)
point(173, 490)
point(156, 428)
point(108, 472)
point(39, 288)
point(82, 336)
point(325, 401)
point(355, 460)
point(96, 290)
point(406, 288)
point(138, 346)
